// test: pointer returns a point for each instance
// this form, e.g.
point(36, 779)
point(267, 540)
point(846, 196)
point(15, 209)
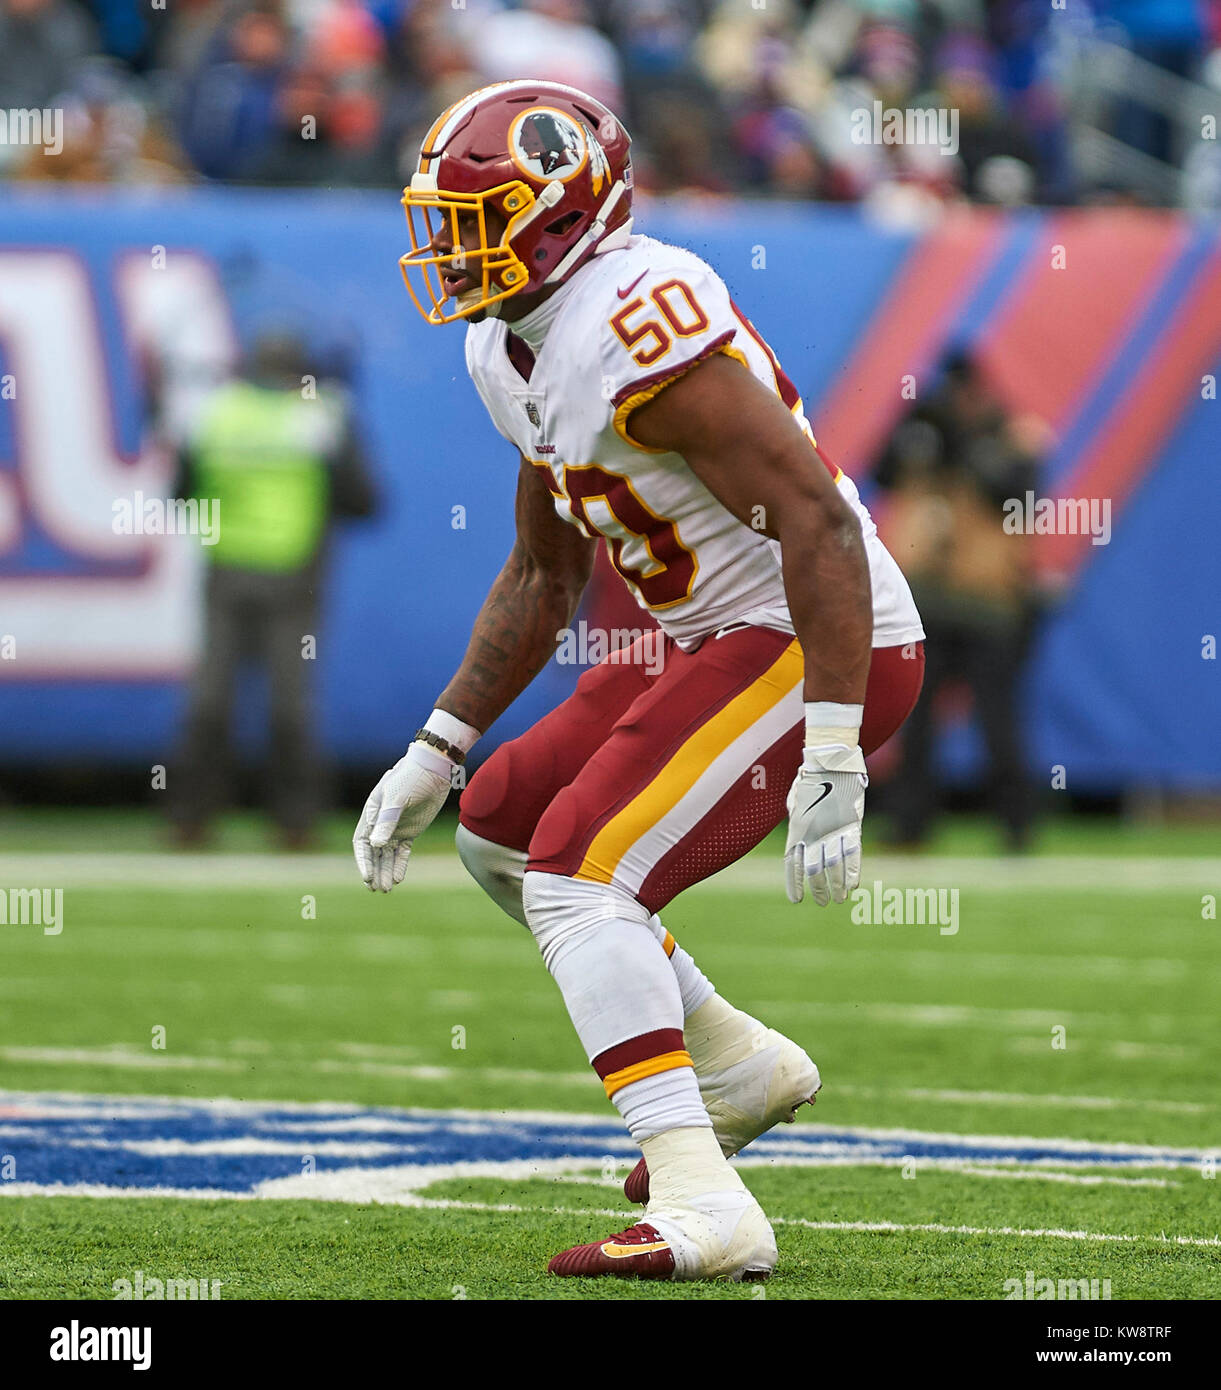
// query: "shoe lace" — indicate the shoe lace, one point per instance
point(640, 1234)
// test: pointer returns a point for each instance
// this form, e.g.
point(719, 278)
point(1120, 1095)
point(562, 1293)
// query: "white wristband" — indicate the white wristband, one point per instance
point(431, 758)
point(452, 730)
point(828, 724)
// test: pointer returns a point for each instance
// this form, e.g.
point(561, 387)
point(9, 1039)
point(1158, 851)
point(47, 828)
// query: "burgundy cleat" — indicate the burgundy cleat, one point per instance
point(637, 1253)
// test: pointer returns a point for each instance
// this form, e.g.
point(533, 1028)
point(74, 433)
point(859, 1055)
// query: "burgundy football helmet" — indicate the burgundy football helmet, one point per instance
point(553, 163)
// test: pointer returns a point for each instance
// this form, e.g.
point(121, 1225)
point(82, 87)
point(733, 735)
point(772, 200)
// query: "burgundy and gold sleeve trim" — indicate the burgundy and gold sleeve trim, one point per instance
point(634, 396)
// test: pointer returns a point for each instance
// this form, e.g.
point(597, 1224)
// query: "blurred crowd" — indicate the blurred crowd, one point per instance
point(751, 96)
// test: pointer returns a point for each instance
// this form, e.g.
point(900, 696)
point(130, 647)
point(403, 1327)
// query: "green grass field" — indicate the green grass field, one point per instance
point(1077, 1001)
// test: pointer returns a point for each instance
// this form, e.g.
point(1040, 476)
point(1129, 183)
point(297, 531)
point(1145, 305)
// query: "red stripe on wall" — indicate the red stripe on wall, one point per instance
point(1120, 456)
point(915, 319)
point(1057, 330)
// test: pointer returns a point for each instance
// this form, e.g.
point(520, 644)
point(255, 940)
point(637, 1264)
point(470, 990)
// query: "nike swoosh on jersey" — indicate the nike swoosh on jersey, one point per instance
point(622, 1252)
point(623, 294)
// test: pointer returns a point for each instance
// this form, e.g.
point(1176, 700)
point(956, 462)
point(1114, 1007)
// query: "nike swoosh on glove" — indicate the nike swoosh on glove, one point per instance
point(402, 805)
point(826, 804)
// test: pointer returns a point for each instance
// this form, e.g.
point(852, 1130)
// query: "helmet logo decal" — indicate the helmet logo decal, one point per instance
point(547, 144)
point(599, 165)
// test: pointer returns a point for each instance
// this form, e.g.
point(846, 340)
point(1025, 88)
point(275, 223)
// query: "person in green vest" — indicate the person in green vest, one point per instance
point(275, 455)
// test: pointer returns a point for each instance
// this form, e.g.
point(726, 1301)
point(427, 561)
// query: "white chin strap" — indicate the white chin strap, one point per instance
point(595, 233)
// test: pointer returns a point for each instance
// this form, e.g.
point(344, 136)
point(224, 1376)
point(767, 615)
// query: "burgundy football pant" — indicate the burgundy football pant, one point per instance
point(653, 779)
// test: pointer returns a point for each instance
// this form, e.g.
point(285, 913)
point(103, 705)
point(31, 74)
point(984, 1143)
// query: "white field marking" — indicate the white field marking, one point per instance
point(1083, 1179)
point(378, 1052)
point(25, 985)
point(124, 1055)
point(1144, 1051)
point(402, 1185)
point(204, 942)
point(974, 1015)
point(558, 1169)
point(406, 1185)
point(999, 874)
point(127, 1056)
point(249, 1144)
point(936, 1165)
point(358, 1195)
point(935, 1228)
point(864, 1227)
point(294, 996)
point(454, 998)
point(84, 1105)
point(119, 1055)
point(1135, 1155)
point(933, 960)
point(300, 944)
point(757, 872)
point(95, 1189)
point(1117, 1048)
point(957, 1097)
point(423, 1072)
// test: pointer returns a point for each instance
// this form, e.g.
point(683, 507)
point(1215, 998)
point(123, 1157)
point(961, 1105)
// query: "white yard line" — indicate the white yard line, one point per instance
point(124, 1056)
point(932, 960)
point(302, 873)
point(935, 1228)
point(960, 1097)
point(17, 1189)
point(974, 1015)
point(856, 1227)
point(935, 1165)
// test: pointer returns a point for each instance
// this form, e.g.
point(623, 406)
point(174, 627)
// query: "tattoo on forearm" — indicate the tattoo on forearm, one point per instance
point(514, 637)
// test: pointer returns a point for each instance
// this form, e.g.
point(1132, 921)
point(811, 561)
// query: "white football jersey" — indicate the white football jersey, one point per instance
point(627, 324)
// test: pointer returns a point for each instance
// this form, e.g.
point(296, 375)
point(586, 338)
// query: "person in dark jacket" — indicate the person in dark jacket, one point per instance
point(949, 468)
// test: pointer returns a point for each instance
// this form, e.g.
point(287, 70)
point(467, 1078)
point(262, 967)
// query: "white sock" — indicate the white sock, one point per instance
point(694, 986)
point(620, 991)
point(668, 1101)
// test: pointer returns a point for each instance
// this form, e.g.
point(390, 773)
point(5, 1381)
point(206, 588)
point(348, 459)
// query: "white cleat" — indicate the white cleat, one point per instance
point(762, 1089)
point(720, 1235)
point(717, 1235)
point(751, 1078)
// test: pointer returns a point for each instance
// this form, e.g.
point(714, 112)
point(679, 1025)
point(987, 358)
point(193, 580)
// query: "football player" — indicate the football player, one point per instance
point(650, 414)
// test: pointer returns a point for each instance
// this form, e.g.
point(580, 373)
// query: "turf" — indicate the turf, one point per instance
point(76, 1248)
point(1086, 1015)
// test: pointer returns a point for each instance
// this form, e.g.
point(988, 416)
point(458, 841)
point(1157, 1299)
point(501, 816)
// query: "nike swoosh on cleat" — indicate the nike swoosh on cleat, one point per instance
point(623, 294)
point(622, 1252)
point(828, 789)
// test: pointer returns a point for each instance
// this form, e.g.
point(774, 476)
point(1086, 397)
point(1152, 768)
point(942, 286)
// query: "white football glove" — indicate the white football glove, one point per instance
point(403, 804)
point(825, 806)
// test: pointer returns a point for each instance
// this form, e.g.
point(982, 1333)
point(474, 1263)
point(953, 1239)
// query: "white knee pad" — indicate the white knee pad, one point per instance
point(561, 910)
point(496, 869)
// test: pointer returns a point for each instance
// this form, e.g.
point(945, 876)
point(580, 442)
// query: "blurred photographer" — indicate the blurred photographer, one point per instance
point(948, 469)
